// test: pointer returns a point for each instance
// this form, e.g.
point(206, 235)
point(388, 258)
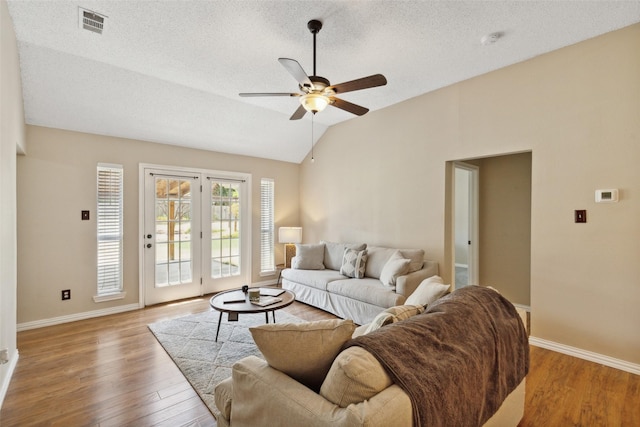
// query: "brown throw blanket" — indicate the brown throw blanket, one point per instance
point(458, 360)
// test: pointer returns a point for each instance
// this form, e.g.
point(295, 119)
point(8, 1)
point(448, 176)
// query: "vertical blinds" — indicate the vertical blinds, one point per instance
point(109, 229)
point(267, 258)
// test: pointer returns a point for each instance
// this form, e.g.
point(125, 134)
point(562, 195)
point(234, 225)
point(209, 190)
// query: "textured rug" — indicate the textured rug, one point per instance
point(190, 342)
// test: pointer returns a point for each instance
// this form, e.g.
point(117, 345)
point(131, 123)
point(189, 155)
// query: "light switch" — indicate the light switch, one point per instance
point(581, 215)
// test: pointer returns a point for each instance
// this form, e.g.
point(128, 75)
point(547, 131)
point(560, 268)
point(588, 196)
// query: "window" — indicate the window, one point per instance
point(109, 229)
point(267, 257)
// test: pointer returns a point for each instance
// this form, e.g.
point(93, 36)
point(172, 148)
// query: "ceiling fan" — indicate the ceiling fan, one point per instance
point(318, 92)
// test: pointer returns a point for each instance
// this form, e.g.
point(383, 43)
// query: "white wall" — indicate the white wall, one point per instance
point(380, 179)
point(11, 140)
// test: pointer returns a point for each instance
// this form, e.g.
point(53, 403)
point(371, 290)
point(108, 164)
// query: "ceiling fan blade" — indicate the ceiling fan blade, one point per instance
point(299, 113)
point(359, 84)
point(268, 94)
point(348, 106)
point(296, 70)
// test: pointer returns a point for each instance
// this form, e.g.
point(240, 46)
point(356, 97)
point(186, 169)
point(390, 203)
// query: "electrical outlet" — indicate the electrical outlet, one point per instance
point(581, 216)
point(66, 294)
point(4, 356)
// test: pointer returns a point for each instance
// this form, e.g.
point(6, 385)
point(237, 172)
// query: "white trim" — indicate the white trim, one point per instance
point(77, 316)
point(109, 297)
point(13, 362)
point(612, 362)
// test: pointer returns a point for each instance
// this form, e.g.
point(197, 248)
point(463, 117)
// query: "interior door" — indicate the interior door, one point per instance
point(172, 235)
point(466, 245)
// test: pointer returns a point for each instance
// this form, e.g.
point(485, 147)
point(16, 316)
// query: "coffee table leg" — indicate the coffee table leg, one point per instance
point(266, 315)
point(274, 316)
point(219, 323)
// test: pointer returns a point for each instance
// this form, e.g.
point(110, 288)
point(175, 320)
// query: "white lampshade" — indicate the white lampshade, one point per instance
point(290, 234)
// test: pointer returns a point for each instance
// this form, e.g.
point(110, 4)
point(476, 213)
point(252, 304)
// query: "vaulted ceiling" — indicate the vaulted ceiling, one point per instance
point(170, 71)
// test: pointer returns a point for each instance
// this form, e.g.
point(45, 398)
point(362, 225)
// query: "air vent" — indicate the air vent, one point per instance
point(91, 21)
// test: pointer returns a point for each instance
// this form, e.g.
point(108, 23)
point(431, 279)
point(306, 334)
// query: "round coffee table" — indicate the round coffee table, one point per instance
point(235, 302)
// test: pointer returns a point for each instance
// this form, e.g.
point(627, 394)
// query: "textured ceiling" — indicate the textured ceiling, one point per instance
point(171, 71)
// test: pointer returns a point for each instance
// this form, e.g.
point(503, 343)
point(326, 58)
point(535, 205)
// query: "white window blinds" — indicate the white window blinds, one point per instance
point(109, 229)
point(267, 257)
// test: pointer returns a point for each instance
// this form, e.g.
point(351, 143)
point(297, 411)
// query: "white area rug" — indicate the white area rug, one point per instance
point(190, 341)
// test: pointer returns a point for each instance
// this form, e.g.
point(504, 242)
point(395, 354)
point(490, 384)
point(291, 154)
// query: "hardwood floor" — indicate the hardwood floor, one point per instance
point(111, 371)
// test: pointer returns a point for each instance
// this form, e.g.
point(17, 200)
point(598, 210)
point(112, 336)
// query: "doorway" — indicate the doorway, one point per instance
point(465, 235)
point(196, 232)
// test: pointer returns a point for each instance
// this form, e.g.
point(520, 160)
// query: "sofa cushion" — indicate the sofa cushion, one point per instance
point(367, 290)
point(353, 263)
point(308, 257)
point(313, 278)
point(378, 257)
point(304, 351)
point(416, 256)
point(334, 252)
point(395, 266)
point(428, 291)
point(355, 376)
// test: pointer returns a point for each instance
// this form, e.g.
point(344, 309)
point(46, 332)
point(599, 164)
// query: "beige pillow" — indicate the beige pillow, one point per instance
point(379, 321)
point(416, 256)
point(355, 376)
point(304, 351)
point(428, 291)
point(396, 266)
point(308, 257)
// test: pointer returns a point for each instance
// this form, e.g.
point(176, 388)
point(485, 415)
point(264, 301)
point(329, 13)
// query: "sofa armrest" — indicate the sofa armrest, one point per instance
point(405, 285)
point(263, 396)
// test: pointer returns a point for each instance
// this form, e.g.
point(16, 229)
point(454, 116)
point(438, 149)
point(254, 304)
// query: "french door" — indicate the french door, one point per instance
point(195, 233)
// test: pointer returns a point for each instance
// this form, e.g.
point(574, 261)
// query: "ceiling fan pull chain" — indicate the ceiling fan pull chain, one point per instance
point(312, 116)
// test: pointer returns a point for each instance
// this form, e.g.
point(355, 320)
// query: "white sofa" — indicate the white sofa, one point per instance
point(350, 298)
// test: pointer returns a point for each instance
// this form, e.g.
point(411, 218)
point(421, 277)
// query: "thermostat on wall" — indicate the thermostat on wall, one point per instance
point(607, 196)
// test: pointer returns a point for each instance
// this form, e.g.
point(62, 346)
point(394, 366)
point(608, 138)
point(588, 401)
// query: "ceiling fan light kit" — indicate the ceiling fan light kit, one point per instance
point(317, 92)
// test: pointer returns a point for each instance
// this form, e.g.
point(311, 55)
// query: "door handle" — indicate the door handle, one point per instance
point(149, 245)
point(149, 236)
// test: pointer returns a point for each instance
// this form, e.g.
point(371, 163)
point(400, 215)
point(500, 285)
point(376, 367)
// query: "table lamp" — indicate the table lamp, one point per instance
point(289, 236)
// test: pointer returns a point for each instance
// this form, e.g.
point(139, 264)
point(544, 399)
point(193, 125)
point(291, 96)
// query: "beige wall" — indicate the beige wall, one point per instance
point(11, 140)
point(381, 179)
point(505, 225)
point(56, 180)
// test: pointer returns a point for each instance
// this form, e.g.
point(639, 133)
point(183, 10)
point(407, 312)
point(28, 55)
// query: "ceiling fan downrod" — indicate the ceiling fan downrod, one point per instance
point(314, 26)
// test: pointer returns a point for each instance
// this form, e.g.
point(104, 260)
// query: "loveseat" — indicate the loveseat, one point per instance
point(325, 275)
point(315, 375)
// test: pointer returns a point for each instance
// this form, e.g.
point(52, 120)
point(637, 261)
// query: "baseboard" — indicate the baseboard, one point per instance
point(270, 282)
point(623, 365)
point(7, 379)
point(74, 317)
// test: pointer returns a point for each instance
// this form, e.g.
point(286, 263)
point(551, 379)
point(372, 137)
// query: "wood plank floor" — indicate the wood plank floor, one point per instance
point(111, 371)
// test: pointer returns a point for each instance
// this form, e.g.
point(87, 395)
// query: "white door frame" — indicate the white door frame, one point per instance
point(474, 247)
point(246, 214)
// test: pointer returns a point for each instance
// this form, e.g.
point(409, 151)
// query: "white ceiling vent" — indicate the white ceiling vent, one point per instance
point(91, 21)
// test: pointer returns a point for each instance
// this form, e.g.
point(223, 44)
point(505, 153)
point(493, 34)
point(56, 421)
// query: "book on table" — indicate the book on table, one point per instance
point(272, 292)
point(266, 301)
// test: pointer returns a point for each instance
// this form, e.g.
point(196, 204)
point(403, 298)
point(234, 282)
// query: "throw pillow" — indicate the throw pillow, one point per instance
point(354, 263)
point(379, 321)
point(392, 315)
point(304, 351)
point(401, 312)
point(308, 257)
point(428, 291)
point(355, 376)
point(396, 266)
point(416, 256)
